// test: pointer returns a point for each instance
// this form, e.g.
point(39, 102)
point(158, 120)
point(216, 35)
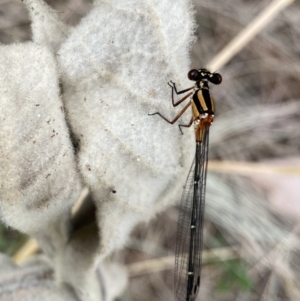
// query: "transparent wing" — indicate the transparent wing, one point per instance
point(189, 233)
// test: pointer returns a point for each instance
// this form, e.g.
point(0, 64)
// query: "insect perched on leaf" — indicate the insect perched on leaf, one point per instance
point(190, 224)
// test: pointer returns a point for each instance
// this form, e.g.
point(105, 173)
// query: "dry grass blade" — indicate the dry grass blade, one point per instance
point(248, 168)
point(27, 250)
point(248, 33)
point(166, 263)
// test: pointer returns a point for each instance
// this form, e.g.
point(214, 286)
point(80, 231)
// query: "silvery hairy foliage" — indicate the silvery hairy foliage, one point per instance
point(74, 113)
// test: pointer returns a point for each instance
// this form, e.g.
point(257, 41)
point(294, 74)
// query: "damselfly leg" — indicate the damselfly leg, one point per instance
point(173, 86)
point(176, 117)
point(185, 125)
point(176, 104)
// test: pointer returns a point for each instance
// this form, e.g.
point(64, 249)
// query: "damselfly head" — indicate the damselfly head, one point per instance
point(204, 75)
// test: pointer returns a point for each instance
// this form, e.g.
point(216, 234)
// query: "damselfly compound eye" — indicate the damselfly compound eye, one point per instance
point(216, 78)
point(193, 74)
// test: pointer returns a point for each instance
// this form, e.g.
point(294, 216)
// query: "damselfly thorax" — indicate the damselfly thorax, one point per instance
point(203, 109)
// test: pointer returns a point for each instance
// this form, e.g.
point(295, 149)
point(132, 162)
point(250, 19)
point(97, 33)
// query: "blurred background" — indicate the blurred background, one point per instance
point(251, 232)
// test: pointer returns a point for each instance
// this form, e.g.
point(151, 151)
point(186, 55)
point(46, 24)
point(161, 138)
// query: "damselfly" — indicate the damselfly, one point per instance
point(189, 233)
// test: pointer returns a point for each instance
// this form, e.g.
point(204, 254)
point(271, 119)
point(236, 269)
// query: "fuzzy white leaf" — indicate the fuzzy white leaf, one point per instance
point(38, 177)
point(79, 267)
point(32, 281)
point(46, 27)
point(115, 67)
